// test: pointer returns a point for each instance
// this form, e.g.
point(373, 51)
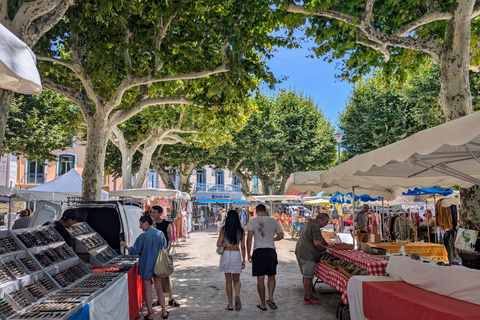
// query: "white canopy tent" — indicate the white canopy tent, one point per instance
point(10, 195)
point(68, 184)
point(18, 70)
point(43, 195)
point(149, 193)
point(265, 198)
point(445, 156)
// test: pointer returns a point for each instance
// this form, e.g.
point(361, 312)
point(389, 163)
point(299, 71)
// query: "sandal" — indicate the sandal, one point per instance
point(173, 303)
point(156, 304)
point(272, 305)
point(229, 309)
point(147, 318)
point(165, 317)
point(260, 307)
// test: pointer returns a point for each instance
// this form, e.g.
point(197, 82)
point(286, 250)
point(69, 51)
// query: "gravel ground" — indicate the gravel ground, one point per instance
point(200, 288)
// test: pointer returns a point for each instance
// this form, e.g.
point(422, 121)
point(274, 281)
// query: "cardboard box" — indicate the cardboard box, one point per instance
point(374, 238)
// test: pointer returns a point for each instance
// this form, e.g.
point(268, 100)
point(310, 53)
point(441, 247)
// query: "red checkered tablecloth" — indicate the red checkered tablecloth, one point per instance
point(334, 279)
point(374, 265)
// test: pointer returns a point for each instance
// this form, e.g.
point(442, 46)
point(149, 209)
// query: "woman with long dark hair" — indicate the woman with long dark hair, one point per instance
point(233, 258)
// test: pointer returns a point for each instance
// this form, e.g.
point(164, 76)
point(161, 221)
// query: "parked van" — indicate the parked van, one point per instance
point(115, 221)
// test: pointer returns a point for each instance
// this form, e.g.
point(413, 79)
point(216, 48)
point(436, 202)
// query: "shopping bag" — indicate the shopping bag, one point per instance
point(164, 264)
point(166, 284)
point(221, 249)
point(466, 239)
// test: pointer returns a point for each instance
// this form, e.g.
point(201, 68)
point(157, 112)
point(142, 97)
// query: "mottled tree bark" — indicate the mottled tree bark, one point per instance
point(6, 98)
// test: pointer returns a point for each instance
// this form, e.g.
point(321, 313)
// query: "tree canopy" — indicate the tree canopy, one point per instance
point(399, 36)
point(113, 59)
point(289, 133)
point(39, 124)
point(380, 112)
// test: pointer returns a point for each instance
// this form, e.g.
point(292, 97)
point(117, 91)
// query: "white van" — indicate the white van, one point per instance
point(113, 220)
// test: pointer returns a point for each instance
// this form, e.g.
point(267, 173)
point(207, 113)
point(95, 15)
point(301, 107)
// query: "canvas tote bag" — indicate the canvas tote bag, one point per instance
point(164, 264)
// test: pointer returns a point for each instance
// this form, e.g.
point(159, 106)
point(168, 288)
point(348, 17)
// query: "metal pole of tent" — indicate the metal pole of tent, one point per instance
point(354, 216)
point(382, 218)
point(10, 203)
point(428, 227)
point(435, 206)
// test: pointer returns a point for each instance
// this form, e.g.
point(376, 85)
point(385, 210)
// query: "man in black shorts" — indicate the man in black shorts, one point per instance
point(164, 226)
point(265, 231)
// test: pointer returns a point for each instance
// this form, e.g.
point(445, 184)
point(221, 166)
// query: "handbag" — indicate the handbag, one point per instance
point(164, 264)
point(221, 249)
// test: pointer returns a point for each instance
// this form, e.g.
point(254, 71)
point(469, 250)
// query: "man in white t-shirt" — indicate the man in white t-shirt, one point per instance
point(265, 231)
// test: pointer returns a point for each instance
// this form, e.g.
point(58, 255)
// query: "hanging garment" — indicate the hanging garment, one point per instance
point(448, 242)
point(403, 228)
point(443, 216)
point(454, 210)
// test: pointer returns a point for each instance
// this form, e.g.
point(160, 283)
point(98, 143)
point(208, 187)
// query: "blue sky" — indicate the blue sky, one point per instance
point(314, 77)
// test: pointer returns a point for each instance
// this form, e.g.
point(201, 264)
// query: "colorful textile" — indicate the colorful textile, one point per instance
point(443, 216)
point(403, 228)
point(397, 300)
point(334, 279)
point(374, 265)
point(436, 252)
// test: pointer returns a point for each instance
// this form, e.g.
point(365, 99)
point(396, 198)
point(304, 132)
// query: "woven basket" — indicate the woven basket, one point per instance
point(344, 271)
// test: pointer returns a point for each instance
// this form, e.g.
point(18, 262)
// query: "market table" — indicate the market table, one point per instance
point(337, 280)
point(436, 252)
point(374, 265)
point(399, 300)
point(334, 279)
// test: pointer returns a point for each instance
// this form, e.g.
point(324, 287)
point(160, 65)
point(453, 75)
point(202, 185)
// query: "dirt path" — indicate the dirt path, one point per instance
point(200, 288)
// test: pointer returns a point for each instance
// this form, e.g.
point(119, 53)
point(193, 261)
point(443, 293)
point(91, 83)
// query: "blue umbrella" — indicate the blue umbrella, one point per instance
point(347, 198)
point(422, 191)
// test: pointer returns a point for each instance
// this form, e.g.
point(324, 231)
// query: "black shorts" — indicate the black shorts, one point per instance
point(264, 262)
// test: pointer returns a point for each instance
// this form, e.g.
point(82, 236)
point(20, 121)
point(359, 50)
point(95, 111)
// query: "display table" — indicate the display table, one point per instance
point(374, 265)
point(398, 300)
point(355, 294)
point(452, 281)
point(436, 252)
point(334, 279)
point(112, 302)
point(337, 280)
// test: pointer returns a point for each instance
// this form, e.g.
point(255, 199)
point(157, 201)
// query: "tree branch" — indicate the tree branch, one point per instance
point(64, 63)
point(133, 82)
point(159, 38)
point(120, 115)
point(367, 27)
point(126, 53)
point(28, 12)
point(79, 97)
point(44, 22)
point(476, 10)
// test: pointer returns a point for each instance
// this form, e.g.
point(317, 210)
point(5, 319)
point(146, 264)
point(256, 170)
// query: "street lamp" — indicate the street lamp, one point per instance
point(338, 137)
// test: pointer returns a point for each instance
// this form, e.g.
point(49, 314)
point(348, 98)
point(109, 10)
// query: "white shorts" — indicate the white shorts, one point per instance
point(219, 223)
point(231, 262)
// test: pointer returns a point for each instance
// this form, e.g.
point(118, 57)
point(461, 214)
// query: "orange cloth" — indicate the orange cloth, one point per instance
point(436, 252)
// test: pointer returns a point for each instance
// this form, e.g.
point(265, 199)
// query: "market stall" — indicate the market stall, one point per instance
point(337, 266)
point(436, 252)
point(416, 289)
point(41, 277)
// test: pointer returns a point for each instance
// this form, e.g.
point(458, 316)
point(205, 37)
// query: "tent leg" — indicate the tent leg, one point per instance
point(354, 216)
point(10, 204)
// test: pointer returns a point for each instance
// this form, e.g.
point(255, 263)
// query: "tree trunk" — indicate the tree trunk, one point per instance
point(470, 209)
point(243, 180)
point(165, 177)
point(127, 160)
point(6, 98)
point(144, 167)
point(455, 96)
point(185, 174)
point(93, 171)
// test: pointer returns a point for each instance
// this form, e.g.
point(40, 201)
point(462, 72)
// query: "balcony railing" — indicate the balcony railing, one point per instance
point(212, 187)
point(35, 178)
